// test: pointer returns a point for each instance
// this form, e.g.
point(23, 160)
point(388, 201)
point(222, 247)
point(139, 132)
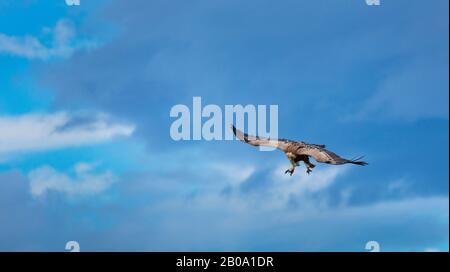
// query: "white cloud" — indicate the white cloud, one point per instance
point(314, 224)
point(318, 180)
point(399, 186)
point(277, 192)
point(62, 43)
point(233, 173)
point(301, 184)
point(83, 167)
point(185, 195)
point(32, 132)
point(431, 249)
point(83, 183)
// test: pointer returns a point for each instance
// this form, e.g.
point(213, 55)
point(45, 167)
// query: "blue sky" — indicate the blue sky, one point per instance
point(85, 150)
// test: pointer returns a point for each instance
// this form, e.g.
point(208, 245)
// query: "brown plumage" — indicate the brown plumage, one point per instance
point(298, 151)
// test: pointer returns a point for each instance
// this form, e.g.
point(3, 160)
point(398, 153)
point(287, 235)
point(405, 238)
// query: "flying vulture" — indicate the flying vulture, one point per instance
point(297, 151)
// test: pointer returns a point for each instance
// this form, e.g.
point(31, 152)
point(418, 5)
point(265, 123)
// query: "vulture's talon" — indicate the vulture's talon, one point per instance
point(290, 171)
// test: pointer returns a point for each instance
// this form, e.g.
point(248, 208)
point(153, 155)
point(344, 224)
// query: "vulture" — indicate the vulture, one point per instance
point(297, 151)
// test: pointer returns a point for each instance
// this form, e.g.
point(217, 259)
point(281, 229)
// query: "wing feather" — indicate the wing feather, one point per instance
point(256, 140)
point(321, 154)
point(318, 152)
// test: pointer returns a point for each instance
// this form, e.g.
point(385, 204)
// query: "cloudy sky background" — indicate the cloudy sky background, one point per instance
point(85, 150)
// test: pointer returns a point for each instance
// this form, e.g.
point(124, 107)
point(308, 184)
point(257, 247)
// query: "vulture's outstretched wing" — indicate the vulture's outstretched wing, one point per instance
point(256, 140)
point(322, 155)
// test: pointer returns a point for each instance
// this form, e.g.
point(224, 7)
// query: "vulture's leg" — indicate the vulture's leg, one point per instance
point(292, 169)
point(309, 165)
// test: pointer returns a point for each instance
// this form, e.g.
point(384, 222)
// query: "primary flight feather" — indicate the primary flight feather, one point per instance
point(297, 151)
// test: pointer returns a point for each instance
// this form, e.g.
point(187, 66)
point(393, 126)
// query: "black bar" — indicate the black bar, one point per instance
point(225, 261)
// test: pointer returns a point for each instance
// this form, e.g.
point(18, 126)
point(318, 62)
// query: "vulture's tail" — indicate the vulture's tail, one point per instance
point(357, 161)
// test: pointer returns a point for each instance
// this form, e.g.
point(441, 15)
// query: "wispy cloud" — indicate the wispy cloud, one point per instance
point(411, 93)
point(62, 43)
point(218, 222)
point(32, 132)
point(265, 219)
point(244, 185)
point(304, 183)
point(285, 189)
point(83, 183)
point(233, 173)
